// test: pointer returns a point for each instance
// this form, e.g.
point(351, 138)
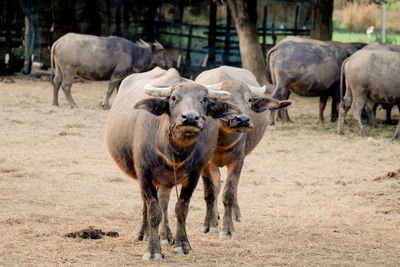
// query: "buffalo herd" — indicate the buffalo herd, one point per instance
point(164, 130)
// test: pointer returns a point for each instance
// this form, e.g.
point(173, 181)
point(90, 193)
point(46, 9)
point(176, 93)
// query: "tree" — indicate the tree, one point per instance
point(322, 19)
point(244, 15)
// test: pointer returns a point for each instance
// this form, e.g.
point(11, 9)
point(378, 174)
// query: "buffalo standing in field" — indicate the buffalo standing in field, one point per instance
point(234, 144)
point(308, 68)
point(374, 75)
point(101, 58)
point(164, 141)
point(369, 104)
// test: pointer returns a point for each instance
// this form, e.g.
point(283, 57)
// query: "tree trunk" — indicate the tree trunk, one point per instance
point(322, 19)
point(243, 15)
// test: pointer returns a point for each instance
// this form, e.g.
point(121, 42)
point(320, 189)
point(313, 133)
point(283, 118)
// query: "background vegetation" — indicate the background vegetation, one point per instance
point(351, 20)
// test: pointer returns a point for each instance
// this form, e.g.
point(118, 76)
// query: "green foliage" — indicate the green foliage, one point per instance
point(393, 6)
point(346, 37)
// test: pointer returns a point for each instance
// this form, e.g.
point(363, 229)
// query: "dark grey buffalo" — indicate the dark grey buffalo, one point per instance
point(101, 58)
point(374, 75)
point(308, 68)
point(164, 141)
point(236, 139)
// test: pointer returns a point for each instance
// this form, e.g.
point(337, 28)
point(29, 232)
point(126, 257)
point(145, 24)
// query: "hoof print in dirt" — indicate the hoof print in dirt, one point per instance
point(91, 233)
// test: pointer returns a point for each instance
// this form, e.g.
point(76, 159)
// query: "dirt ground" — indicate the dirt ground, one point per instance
point(308, 196)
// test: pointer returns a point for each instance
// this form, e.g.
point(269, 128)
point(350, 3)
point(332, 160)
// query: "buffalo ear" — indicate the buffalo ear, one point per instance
point(220, 109)
point(263, 103)
point(156, 106)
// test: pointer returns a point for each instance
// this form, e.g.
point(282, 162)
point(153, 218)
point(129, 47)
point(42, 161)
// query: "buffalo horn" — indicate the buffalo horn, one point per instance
point(255, 90)
point(157, 91)
point(160, 45)
point(218, 95)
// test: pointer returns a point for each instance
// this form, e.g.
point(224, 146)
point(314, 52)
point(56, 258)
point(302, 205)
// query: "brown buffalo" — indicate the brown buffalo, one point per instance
point(236, 139)
point(372, 74)
point(308, 68)
point(164, 141)
point(100, 58)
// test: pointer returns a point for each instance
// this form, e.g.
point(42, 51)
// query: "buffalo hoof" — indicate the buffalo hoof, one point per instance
point(185, 250)
point(224, 235)
point(165, 243)
point(142, 237)
point(105, 107)
point(156, 257)
point(237, 219)
point(210, 229)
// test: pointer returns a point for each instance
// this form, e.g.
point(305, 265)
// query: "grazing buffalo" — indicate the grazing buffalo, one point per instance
point(164, 141)
point(236, 139)
point(372, 74)
point(101, 58)
point(308, 68)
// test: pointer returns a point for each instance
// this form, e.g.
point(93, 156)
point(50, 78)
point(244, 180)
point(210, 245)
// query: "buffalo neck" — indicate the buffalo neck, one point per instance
point(175, 149)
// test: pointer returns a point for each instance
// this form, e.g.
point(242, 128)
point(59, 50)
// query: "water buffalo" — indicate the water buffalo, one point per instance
point(370, 74)
point(369, 104)
point(164, 141)
point(236, 139)
point(100, 58)
point(308, 68)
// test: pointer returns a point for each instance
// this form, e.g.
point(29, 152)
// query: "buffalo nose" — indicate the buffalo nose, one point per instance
point(191, 117)
point(243, 118)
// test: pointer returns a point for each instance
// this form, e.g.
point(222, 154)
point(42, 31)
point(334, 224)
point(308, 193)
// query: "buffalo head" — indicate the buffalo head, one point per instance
point(246, 98)
point(187, 106)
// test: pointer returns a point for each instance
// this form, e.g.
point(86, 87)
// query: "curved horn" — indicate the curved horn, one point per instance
point(255, 90)
point(215, 86)
point(160, 45)
point(218, 95)
point(143, 42)
point(157, 91)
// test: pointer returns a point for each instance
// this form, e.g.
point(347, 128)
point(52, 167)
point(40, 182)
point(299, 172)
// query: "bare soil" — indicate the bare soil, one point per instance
point(308, 196)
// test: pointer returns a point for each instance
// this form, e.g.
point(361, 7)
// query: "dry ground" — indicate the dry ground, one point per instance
point(308, 196)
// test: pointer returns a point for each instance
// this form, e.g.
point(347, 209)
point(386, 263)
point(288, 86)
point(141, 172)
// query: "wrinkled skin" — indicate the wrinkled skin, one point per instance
point(101, 58)
point(308, 68)
point(150, 138)
point(370, 74)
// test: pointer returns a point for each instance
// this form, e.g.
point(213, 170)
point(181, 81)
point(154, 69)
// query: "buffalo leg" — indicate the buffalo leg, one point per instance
point(56, 85)
point(344, 107)
point(144, 229)
point(182, 245)
point(358, 106)
point(369, 108)
point(68, 78)
point(165, 232)
point(322, 104)
point(114, 83)
point(334, 108)
point(67, 91)
point(388, 113)
point(212, 186)
point(149, 194)
point(397, 133)
point(229, 196)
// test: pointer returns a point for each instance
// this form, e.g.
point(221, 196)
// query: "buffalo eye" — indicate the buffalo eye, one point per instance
point(251, 99)
point(205, 99)
point(173, 98)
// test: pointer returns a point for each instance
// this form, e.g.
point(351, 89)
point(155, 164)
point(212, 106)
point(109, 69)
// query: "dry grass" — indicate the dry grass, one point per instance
point(308, 196)
point(359, 16)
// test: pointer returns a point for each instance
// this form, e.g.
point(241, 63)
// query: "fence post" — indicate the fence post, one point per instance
point(212, 34)
point(265, 29)
point(227, 36)
point(295, 20)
